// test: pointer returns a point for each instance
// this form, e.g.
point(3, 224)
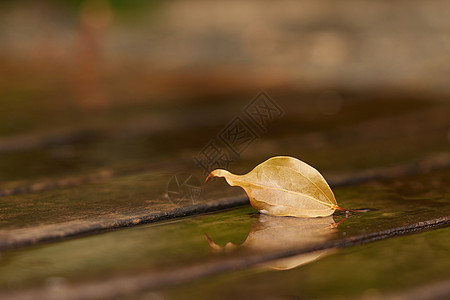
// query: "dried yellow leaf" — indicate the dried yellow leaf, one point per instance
point(284, 186)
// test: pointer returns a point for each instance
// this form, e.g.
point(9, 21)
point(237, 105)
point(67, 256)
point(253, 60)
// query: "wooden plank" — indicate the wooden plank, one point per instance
point(80, 155)
point(410, 267)
point(51, 215)
point(156, 255)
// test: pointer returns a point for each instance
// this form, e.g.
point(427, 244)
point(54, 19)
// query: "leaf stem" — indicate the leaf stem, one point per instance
point(222, 173)
point(353, 210)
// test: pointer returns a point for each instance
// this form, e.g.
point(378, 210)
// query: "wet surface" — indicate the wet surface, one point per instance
point(368, 271)
point(82, 182)
point(58, 213)
point(79, 184)
point(237, 238)
point(143, 248)
point(360, 136)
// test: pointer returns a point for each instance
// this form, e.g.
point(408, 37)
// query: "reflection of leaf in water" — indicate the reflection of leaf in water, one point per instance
point(270, 234)
point(284, 186)
point(274, 233)
point(296, 260)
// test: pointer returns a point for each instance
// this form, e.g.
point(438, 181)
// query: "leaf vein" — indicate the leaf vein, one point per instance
point(309, 179)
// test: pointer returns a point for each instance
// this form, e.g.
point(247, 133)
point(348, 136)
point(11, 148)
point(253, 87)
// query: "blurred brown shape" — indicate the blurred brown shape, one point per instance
point(88, 85)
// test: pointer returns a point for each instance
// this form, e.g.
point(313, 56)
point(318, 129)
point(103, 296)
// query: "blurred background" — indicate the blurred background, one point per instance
point(86, 85)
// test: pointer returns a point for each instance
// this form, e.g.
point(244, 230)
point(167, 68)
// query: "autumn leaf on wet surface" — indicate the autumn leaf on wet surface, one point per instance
point(284, 186)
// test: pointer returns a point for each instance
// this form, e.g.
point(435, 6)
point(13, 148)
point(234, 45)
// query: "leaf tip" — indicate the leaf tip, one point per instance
point(217, 173)
point(211, 175)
